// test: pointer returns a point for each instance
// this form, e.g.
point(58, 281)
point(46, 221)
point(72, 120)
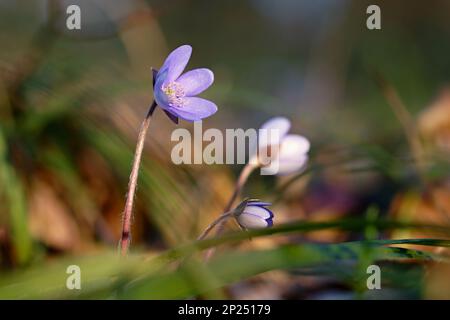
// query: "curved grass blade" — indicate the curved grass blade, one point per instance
point(236, 266)
point(348, 224)
point(11, 188)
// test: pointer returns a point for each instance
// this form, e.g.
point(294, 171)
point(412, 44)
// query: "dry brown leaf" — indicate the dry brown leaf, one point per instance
point(49, 219)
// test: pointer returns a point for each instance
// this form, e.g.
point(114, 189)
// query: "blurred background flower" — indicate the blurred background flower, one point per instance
point(283, 153)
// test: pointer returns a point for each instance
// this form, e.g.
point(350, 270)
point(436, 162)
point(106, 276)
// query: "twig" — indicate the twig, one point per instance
point(406, 120)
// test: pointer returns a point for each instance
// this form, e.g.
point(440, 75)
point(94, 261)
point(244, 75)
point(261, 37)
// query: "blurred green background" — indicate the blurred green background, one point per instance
point(374, 104)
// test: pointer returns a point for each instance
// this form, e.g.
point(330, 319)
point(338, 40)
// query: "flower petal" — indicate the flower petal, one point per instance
point(294, 145)
point(288, 166)
point(251, 221)
point(194, 109)
point(159, 95)
point(196, 81)
point(280, 124)
point(258, 211)
point(175, 63)
point(258, 203)
point(292, 156)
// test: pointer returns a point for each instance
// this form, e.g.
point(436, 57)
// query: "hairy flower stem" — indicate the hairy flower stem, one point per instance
point(243, 177)
point(220, 219)
point(128, 211)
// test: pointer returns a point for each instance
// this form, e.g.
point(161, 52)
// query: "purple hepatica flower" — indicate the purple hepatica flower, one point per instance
point(176, 93)
point(255, 215)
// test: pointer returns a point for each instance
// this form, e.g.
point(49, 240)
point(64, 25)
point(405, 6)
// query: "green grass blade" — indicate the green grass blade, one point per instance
point(12, 191)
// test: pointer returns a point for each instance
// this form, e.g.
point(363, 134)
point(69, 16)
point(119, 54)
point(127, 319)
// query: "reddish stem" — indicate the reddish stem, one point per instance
point(128, 211)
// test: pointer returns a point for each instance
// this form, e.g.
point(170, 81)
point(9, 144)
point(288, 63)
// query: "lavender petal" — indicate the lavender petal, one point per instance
point(196, 81)
point(175, 63)
point(194, 109)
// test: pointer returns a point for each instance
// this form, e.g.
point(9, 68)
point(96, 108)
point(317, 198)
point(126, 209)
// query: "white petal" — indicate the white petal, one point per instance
point(258, 211)
point(292, 156)
point(251, 222)
point(280, 125)
point(288, 166)
point(294, 145)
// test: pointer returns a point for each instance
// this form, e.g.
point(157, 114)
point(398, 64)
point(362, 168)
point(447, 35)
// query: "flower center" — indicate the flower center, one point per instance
point(175, 94)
